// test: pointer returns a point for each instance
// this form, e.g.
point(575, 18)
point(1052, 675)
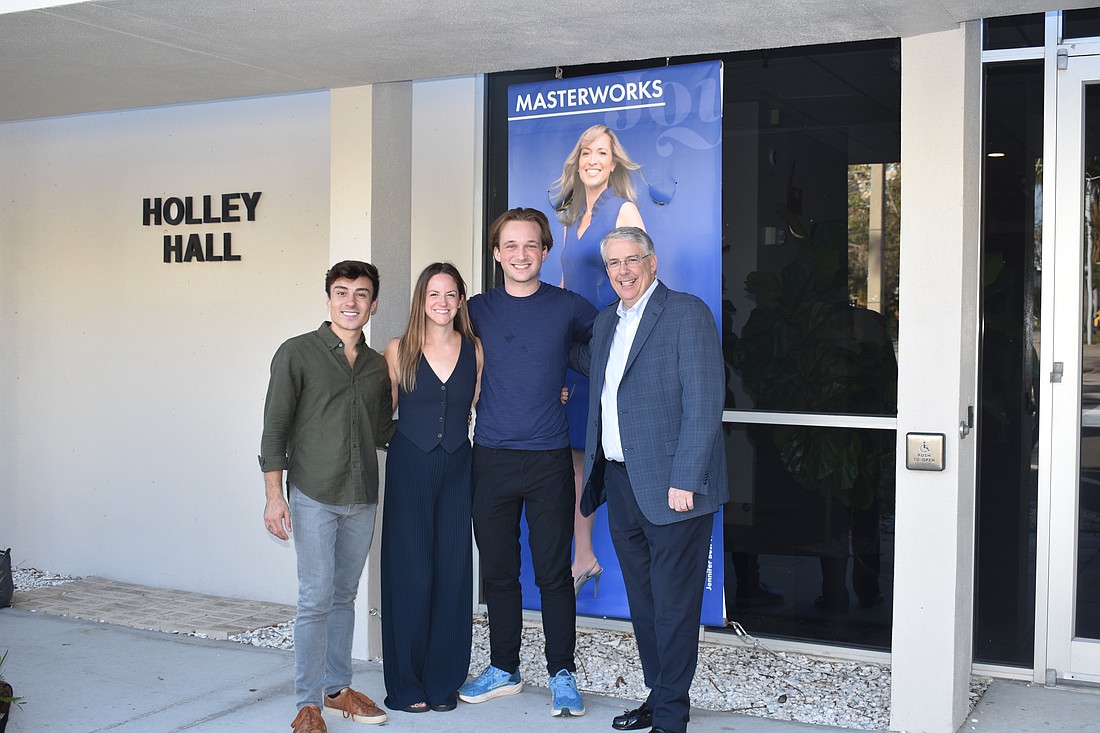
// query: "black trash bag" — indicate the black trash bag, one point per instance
point(7, 584)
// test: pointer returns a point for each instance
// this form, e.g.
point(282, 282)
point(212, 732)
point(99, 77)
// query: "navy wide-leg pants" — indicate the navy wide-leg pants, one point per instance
point(427, 576)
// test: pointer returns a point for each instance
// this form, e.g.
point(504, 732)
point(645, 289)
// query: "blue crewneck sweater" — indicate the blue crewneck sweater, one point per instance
point(526, 343)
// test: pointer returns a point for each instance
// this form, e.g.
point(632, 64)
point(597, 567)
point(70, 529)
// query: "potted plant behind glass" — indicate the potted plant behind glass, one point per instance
point(804, 348)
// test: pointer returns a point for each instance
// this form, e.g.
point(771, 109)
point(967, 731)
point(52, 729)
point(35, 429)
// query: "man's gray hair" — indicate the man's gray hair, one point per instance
point(630, 234)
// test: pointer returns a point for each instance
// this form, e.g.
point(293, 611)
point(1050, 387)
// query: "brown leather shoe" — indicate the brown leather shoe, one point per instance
point(354, 705)
point(309, 720)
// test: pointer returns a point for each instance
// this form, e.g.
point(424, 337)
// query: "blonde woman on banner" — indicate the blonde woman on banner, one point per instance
point(594, 195)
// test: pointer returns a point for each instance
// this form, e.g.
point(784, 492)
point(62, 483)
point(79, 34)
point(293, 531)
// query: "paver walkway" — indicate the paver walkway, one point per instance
point(159, 609)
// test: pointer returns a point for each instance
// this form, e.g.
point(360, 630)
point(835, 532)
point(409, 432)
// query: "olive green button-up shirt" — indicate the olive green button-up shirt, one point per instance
point(324, 419)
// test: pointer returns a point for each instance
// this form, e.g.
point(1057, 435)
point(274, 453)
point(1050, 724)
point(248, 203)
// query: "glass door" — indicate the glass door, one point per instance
point(1072, 360)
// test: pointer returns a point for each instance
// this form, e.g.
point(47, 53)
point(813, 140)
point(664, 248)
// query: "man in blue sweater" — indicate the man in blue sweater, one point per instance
point(522, 459)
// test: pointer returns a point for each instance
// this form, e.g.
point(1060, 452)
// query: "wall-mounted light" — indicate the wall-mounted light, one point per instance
point(995, 155)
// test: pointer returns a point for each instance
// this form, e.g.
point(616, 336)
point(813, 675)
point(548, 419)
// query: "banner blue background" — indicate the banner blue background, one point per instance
point(668, 120)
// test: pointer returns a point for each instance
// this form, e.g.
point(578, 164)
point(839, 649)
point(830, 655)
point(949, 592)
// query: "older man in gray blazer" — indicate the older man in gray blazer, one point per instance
point(655, 454)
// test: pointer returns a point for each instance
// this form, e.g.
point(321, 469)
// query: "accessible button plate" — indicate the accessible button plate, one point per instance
point(924, 451)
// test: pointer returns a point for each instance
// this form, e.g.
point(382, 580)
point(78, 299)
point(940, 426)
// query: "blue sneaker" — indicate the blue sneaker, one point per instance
point(491, 683)
point(564, 698)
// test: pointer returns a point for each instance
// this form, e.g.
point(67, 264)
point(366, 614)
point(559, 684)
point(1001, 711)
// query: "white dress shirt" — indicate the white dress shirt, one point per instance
point(621, 341)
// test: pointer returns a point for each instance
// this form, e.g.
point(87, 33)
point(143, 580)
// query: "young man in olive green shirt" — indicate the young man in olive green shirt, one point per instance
point(327, 411)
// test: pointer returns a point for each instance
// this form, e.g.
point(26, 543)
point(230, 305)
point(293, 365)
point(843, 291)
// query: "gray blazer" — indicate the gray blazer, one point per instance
point(670, 407)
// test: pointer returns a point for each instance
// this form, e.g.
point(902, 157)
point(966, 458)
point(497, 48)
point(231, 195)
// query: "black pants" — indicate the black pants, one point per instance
point(505, 483)
point(664, 568)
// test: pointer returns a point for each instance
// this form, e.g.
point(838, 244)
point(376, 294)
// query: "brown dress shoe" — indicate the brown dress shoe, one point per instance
point(309, 720)
point(355, 705)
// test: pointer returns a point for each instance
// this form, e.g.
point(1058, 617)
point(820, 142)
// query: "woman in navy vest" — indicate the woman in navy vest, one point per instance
point(435, 370)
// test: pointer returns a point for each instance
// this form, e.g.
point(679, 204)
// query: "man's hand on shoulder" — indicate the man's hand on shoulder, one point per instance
point(680, 500)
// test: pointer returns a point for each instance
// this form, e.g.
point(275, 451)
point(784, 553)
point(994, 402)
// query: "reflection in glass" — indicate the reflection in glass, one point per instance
point(1088, 512)
point(874, 239)
point(804, 347)
point(811, 208)
point(810, 550)
point(1009, 378)
point(811, 264)
point(809, 325)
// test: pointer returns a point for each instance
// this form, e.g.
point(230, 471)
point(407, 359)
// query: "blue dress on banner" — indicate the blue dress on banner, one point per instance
point(584, 273)
point(427, 577)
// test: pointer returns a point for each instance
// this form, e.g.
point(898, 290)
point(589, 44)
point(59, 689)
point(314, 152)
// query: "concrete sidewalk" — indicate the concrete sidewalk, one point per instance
point(82, 676)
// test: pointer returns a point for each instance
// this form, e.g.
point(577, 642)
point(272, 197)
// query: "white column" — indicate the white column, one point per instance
point(350, 176)
point(448, 175)
point(934, 541)
point(370, 162)
point(391, 205)
point(350, 157)
point(407, 180)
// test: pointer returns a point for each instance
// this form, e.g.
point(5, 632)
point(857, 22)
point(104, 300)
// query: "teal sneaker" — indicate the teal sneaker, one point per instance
point(491, 683)
point(564, 698)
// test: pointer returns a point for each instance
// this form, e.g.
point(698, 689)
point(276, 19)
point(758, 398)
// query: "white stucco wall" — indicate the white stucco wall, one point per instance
point(132, 390)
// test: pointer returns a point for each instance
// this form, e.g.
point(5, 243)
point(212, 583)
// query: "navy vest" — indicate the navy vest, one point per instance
point(437, 413)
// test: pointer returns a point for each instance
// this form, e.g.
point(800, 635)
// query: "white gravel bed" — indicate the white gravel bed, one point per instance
point(32, 578)
point(280, 636)
point(746, 680)
point(728, 678)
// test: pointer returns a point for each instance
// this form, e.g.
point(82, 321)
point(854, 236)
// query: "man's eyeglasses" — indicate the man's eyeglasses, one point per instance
point(631, 262)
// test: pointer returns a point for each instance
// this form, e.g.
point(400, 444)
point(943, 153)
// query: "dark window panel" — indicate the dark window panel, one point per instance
point(1081, 23)
point(1014, 31)
point(1004, 622)
point(809, 541)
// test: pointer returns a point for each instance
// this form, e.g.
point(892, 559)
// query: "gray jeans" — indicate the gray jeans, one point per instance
point(331, 542)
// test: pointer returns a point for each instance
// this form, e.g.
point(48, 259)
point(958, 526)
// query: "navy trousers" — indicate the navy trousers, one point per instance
point(664, 567)
point(427, 574)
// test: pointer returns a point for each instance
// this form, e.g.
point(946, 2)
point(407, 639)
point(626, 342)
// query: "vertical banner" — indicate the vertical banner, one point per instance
point(635, 148)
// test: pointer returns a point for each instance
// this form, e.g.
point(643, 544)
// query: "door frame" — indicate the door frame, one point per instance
point(1060, 655)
